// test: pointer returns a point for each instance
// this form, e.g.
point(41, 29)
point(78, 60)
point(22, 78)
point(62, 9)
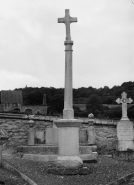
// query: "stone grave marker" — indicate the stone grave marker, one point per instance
point(124, 100)
point(125, 130)
point(31, 133)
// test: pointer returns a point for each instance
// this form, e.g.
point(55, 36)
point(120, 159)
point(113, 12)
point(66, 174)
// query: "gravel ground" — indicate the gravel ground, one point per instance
point(10, 179)
point(130, 182)
point(103, 172)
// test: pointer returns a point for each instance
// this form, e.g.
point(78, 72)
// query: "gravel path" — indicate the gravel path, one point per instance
point(10, 179)
point(130, 182)
point(103, 172)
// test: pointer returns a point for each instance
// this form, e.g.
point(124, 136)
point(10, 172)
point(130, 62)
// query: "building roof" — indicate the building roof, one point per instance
point(11, 97)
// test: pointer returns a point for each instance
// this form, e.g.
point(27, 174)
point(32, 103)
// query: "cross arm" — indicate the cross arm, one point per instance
point(73, 19)
point(61, 20)
point(129, 100)
point(118, 101)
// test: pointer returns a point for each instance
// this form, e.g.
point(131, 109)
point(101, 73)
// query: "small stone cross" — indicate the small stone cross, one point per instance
point(124, 102)
point(67, 20)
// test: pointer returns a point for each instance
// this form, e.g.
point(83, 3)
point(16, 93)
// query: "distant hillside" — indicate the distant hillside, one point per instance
point(34, 95)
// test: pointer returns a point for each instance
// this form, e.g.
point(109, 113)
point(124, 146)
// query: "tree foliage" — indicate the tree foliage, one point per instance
point(55, 96)
point(94, 105)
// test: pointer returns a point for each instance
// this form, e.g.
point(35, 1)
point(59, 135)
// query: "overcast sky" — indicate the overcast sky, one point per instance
point(32, 43)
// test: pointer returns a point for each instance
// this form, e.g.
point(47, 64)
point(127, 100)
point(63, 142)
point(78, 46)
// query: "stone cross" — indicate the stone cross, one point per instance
point(68, 112)
point(124, 102)
point(67, 20)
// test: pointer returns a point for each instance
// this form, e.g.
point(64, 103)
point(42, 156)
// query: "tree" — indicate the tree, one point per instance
point(94, 105)
point(57, 103)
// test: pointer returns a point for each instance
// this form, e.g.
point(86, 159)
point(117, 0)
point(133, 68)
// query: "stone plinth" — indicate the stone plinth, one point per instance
point(83, 136)
point(51, 136)
point(31, 136)
point(125, 135)
point(52, 150)
point(91, 135)
point(68, 143)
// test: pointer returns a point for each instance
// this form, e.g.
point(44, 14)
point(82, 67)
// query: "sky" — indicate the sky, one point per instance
point(32, 43)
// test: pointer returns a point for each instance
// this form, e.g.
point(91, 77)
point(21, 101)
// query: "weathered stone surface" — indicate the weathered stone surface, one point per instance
point(125, 135)
point(103, 136)
point(48, 150)
point(124, 155)
point(40, 136)
point(91, 135)
point(51, 136)
point(90, 157)
point(31, 136)
point(44, 150)
point(107, 131)
point(37, 157)
point(68, 143)
point(83, 135)
point(69, 171)
point(87, 149)
point(69, 161)
point(124, 100)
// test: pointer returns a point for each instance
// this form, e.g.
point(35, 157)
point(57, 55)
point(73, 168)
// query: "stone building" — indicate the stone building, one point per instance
point(12, 101)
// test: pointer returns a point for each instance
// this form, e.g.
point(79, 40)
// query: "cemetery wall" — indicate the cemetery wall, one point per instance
point(41, 108)
point(105, 132)
point(18, 129)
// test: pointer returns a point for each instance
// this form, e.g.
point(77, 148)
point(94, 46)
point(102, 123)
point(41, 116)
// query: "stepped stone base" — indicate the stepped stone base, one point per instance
point(124, 155)
point(92, 157)
point(69, 171)
point(52, 150)
point(50, 153)
point(69, 162)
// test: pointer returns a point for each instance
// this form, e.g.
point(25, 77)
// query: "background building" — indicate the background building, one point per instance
point(12, 101)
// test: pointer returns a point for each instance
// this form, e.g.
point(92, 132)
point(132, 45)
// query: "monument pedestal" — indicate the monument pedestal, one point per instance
point(125, 135)
point(68, 143)
point(68, 161)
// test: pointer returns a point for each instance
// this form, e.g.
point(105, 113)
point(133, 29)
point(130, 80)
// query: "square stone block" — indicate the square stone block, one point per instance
point(51, 136)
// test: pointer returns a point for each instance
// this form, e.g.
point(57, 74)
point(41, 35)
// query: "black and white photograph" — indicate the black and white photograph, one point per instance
point(67, 92)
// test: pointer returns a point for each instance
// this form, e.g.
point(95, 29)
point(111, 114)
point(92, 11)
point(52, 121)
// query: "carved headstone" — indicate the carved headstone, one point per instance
point(125, 131)
point(124, 100)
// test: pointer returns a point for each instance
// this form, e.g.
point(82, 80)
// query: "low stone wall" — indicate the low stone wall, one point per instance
point(106, 138)
point(18, 129)
point(41, 108)
point(105, 132)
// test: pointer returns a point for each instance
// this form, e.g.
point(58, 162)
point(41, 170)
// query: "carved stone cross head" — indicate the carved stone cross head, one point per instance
point(124, 100)
point(67, 20)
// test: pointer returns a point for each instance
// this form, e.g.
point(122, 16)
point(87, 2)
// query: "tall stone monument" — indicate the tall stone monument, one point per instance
point(68, 142)
point(125, 130)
